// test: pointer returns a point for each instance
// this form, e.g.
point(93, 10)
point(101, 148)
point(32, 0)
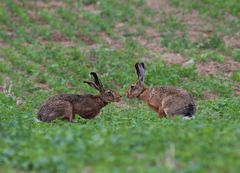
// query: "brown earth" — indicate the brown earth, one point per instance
point(87, 39)
point(232, 41)
point(209, 95)
point(173, 58)
point(151, 40)
point(60, 38)
point(214, 68)
point(161, 5)
point(236, 91)
point(48, 4)
point(93, 8)
point(197, 28)
point(112, 43)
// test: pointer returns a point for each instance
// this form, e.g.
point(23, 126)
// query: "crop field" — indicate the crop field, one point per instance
point(50, 47)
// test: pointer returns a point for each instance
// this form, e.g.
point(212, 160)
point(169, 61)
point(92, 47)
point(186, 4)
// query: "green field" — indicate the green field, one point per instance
point(50, 47)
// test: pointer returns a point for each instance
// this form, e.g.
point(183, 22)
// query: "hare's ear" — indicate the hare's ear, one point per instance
point(98, 82)
point(91, 84)
point(141, 71)
point(137, 70)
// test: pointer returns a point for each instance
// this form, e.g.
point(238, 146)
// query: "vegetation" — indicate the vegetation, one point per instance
point(50, 47)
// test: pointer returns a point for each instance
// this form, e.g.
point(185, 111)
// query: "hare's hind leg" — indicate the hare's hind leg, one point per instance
point(168, 112)
point(161, 112)
point(61, 108)
point(172, 105)
point(154, 105)
point(177, 106)
point(68, 112)
point(64, 108)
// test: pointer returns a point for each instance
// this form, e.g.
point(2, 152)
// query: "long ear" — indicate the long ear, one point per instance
point(98, 82)
point(91, 84)
point(141, 70)
point(137, 70)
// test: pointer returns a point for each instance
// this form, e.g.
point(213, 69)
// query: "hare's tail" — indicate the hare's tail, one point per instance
point(190, 110)
point(187, 111)
point(39, 116)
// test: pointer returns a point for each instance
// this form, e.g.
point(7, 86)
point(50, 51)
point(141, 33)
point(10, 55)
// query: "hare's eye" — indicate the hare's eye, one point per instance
point(132, 86)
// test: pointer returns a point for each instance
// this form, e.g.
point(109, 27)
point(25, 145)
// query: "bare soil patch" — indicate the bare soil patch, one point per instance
point(208, 68)
point(192, 19)
point(11, 33)
point(161, 5)
point(60, 38)
point(236, 92)
point(48, 4)
point(93, 8)
point(196, 27)
point(232, 41)
point(213, 68)
point(87, 39)
point(114, 44)
point(173, 58)
point(230, 65)
point(151, 44)
point(197, 35)
point(32, 15)
point(151, 40)
point(209, 95)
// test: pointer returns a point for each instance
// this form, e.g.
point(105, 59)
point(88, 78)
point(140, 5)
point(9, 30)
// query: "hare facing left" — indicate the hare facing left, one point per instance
point(167, 101)
point(87, 106)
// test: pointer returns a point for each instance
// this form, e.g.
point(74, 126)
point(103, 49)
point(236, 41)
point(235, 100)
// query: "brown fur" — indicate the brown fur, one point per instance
point(87, 106)
point(167, 101)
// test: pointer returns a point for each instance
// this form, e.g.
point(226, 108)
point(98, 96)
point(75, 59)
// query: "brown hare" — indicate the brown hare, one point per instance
point(87, 106)
point(166, 101)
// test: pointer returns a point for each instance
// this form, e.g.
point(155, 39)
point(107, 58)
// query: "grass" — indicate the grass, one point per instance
point(52, 48)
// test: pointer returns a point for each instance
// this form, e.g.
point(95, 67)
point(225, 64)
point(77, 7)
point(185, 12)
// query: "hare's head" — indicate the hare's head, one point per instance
point(136, 89)
point(106, 95)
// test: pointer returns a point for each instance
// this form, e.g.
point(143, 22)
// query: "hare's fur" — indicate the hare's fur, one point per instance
point(87, 106)
point(167, 101)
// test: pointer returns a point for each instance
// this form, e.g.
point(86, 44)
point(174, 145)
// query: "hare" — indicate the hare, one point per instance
point(87, 106)
point(165, 100)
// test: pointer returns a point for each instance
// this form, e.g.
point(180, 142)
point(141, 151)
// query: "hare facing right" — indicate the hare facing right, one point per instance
point(167, 101)
point(87, 106)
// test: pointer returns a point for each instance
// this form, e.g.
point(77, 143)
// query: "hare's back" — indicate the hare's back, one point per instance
point(69, 97)
point(171, 92)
